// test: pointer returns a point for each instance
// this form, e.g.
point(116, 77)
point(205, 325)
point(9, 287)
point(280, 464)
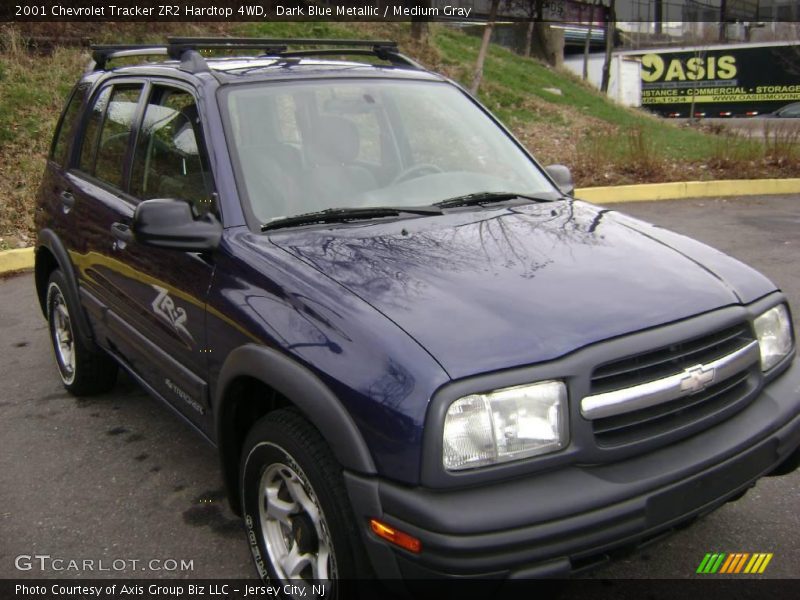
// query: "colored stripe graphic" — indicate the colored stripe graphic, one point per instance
point(711, 563)
point(732, 559)
point(722, 563)
point(765, 563)
point(734, 563)
point(758, 563)
point(703, 563)
point(741, 562)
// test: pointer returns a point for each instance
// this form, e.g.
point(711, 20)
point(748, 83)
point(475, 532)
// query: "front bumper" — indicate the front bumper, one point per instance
point(561, 521)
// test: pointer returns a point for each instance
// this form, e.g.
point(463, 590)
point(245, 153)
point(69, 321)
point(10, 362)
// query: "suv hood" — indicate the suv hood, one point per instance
point(490, 288)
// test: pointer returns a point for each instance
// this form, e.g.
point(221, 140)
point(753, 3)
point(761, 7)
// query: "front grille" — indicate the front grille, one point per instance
point(631, 371)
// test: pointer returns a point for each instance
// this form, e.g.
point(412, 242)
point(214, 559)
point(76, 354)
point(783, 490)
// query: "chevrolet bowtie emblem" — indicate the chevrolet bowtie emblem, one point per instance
point(696, 379)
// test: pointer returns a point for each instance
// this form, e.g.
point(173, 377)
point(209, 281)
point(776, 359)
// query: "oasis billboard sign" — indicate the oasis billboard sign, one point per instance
point(721, 81)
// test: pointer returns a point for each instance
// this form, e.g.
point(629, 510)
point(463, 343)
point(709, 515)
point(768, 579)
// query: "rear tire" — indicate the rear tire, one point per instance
point(84, 371)
point(299, 521)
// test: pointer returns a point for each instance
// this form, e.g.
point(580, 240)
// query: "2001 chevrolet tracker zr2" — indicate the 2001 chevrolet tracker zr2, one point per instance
point(417, 354)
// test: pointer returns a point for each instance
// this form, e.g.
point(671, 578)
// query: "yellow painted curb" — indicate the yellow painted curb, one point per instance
point(688, 189)
point(16, 260)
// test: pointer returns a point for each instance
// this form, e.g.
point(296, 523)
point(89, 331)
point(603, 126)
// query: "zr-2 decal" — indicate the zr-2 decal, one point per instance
point(175, 316)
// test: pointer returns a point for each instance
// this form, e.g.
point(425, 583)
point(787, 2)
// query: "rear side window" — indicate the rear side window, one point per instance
point(66, 125)
point(107, 133)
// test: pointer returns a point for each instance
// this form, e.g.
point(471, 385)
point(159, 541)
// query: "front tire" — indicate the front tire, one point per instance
point(299, 521)
point(84, 371)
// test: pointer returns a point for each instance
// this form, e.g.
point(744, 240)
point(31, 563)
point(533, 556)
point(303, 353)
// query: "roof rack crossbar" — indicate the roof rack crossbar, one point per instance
point(176, 48)
point(216, 43)
point(187, 50)
point(393, 57)
point(384, 49)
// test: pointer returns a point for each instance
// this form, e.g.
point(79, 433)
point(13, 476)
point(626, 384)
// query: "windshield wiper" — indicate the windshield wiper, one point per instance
point(485, 198)
point(341, 215)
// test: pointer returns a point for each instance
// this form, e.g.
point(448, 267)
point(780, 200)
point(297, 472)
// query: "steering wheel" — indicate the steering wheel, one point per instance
point(415, 171)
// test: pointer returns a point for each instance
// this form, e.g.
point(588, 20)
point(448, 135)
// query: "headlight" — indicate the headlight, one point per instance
point(774, 333)
point(505, 425)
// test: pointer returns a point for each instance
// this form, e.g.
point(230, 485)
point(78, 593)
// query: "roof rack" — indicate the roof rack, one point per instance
point(102, 53)
point(187, 50)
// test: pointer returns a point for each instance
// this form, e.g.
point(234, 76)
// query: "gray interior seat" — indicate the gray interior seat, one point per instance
point(276, 179)
point(335, 177)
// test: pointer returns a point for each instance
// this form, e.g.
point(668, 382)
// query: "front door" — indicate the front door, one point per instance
point(155, 298)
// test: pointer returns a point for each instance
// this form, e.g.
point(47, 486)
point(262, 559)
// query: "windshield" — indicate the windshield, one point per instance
point(311, 146)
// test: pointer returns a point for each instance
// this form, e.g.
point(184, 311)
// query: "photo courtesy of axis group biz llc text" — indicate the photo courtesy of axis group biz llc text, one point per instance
point(490, 299)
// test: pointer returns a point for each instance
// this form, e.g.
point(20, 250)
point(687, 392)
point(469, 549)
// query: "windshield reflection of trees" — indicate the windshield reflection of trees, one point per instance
point(397, 267)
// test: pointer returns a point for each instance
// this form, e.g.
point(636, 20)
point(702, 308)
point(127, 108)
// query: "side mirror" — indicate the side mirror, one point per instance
point(167, 223)
point(562, 177)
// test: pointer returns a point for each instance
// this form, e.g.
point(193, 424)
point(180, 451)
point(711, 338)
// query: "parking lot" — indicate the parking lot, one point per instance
point(119, 478)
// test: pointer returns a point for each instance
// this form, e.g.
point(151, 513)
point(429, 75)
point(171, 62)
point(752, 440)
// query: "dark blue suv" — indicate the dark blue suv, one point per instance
point(417, 354)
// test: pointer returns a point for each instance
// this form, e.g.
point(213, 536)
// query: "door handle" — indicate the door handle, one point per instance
point(67, 201)
point(123, 235)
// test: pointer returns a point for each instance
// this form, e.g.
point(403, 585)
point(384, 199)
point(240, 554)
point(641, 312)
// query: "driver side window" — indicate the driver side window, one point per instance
point(169, 160)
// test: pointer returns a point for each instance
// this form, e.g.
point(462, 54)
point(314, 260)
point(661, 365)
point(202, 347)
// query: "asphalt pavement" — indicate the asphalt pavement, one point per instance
point(119, 481)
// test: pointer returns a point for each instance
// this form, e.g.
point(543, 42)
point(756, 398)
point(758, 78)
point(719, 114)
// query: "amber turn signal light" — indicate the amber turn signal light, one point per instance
point(398, 538)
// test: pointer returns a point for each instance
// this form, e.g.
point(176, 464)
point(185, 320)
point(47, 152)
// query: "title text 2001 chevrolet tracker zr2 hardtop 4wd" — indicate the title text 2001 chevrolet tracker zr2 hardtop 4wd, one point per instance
point(416, 353)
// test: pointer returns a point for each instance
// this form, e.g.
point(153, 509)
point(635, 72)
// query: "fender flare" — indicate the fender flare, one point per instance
point(306, 391)
point(48, 239)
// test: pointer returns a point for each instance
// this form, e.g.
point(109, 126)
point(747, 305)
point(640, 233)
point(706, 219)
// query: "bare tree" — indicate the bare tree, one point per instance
point(611, 25)
point(487, 36)
point(548, 43)
point(587, 43)
point(419, 25)
point(658, 16)
point(723, 21)
point(532, 9)
point(541, 40)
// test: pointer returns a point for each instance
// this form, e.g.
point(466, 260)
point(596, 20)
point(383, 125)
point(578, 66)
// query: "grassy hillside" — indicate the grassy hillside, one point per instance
point(552, 112)
point(603, 142)
point(32, 93)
